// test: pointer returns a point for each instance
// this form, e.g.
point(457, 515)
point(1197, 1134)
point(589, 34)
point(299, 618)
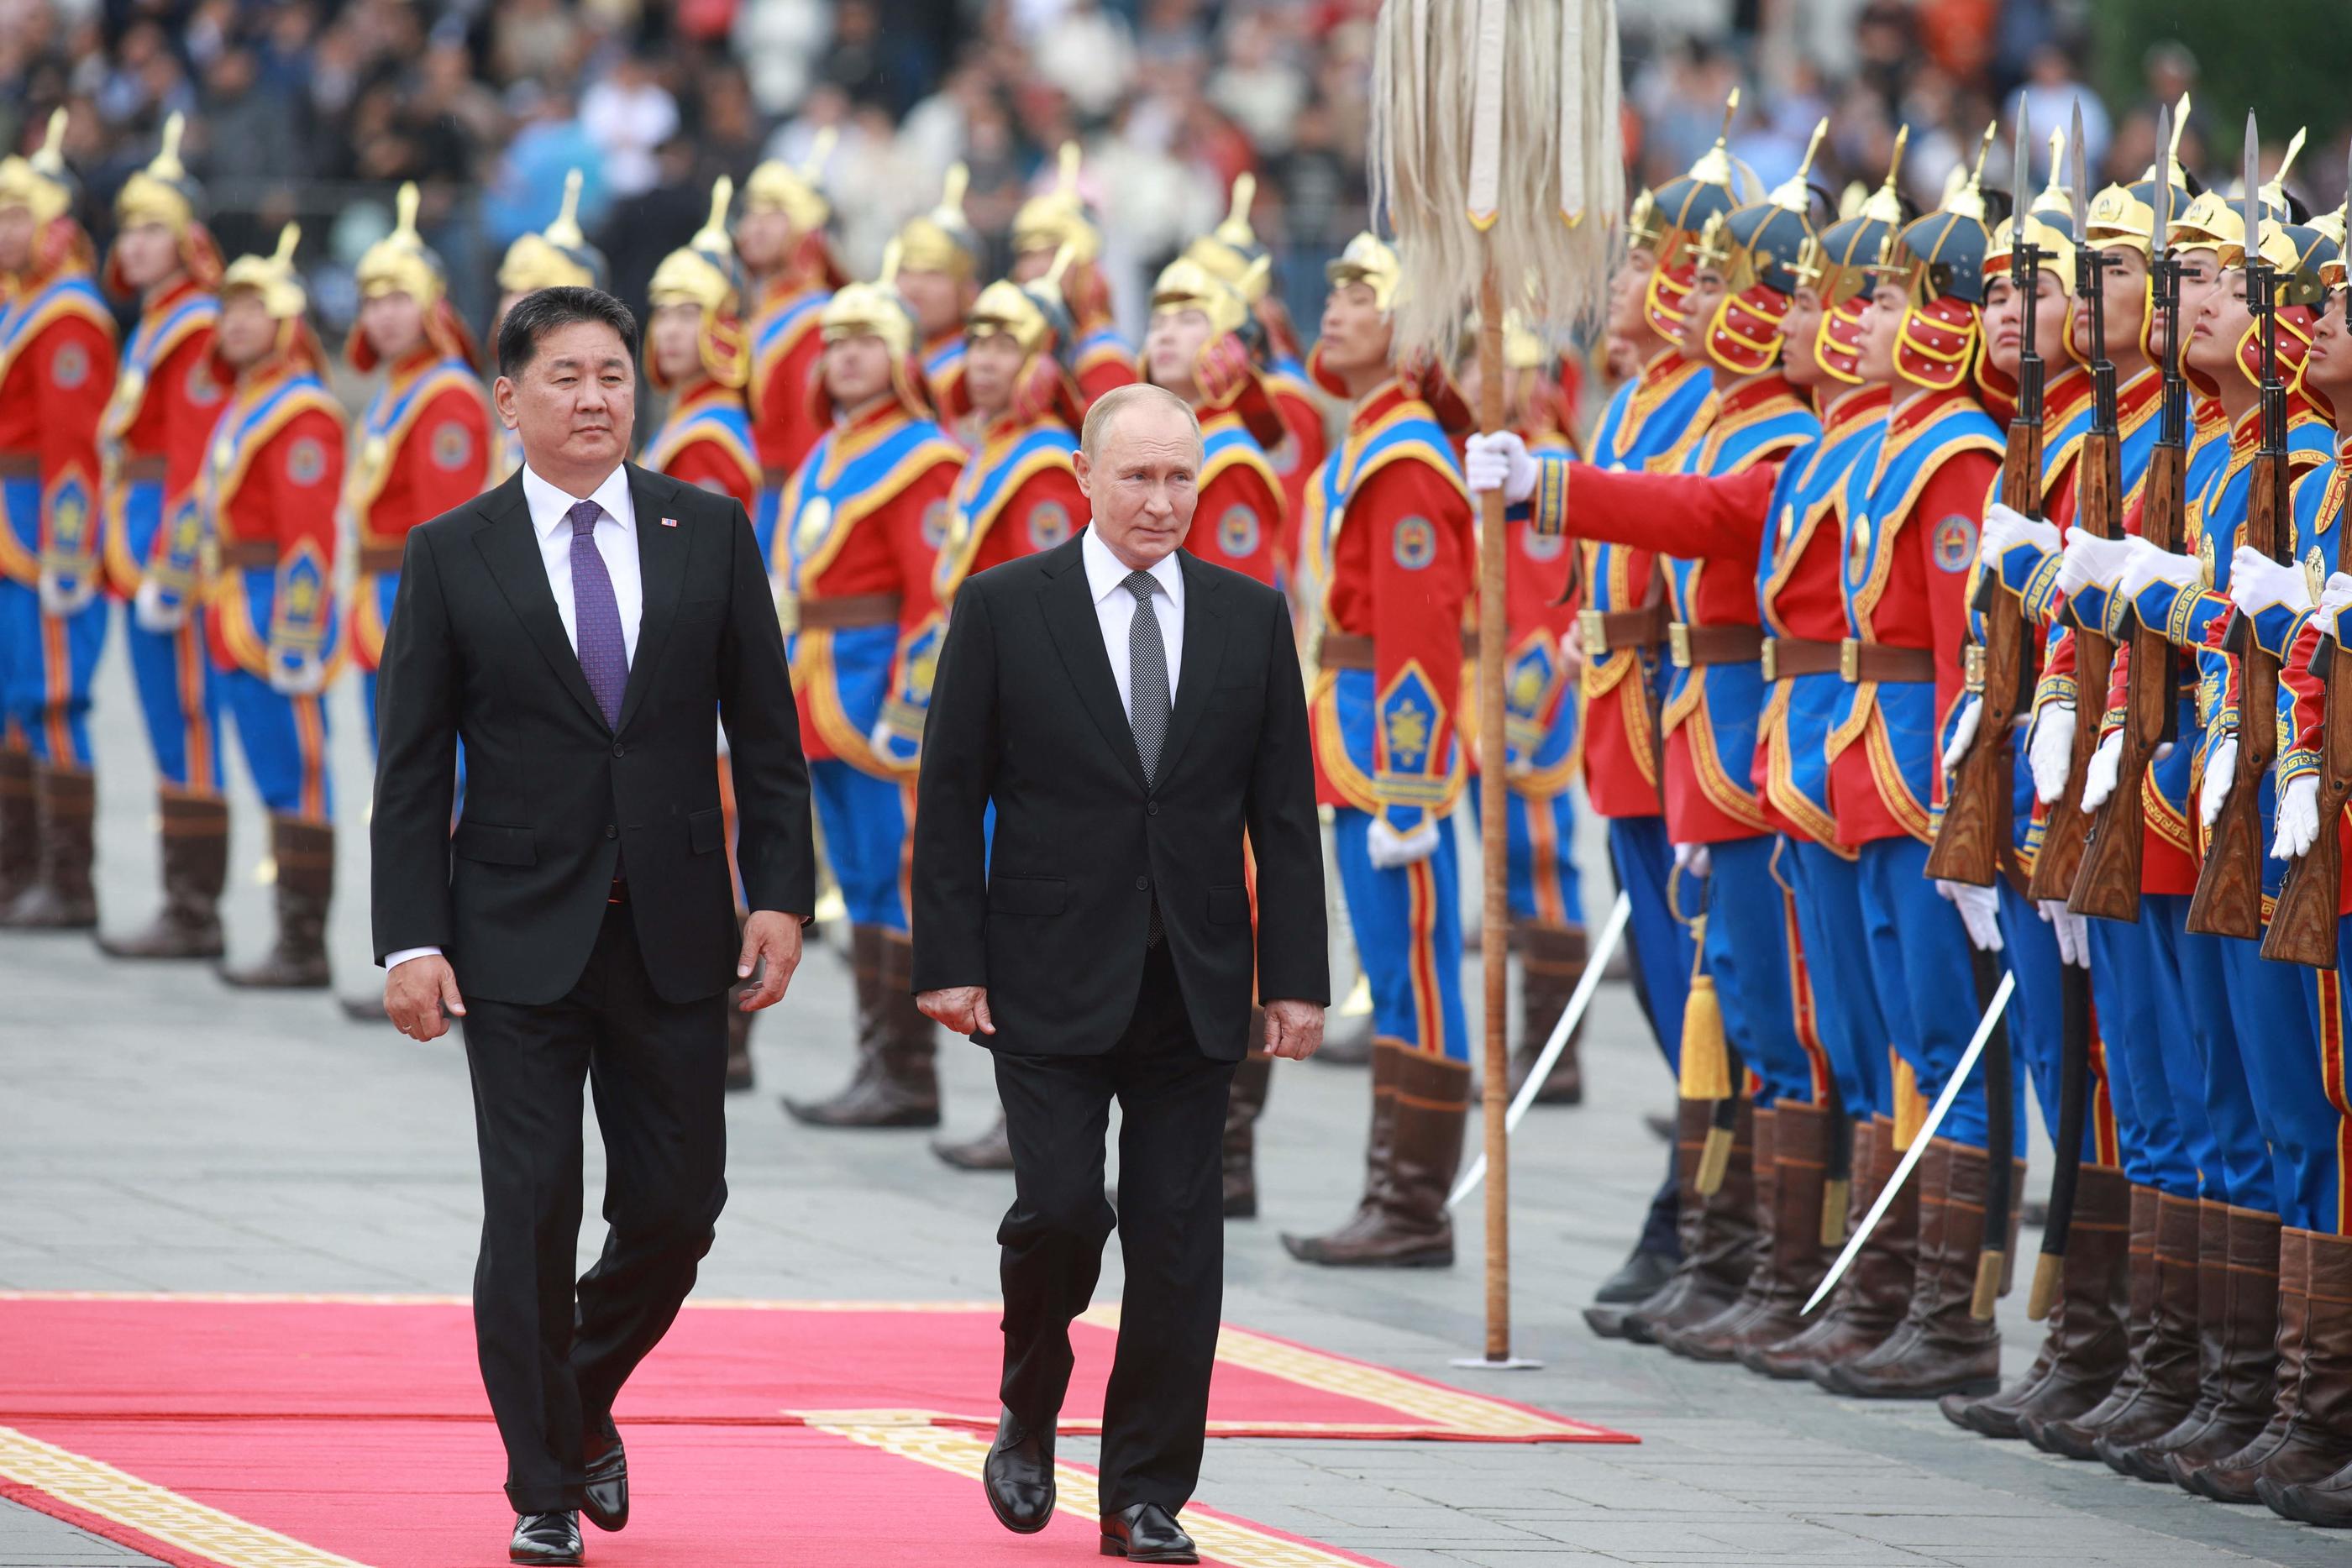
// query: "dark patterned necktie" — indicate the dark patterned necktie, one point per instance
point(596, 615)
point(1147, 687)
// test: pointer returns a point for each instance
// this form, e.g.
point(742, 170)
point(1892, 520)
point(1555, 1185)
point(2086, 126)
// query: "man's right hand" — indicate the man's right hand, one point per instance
point(963, 1008)
point(416, 993)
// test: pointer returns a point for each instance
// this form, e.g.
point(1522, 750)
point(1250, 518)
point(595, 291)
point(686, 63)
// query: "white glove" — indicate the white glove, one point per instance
point(2298, 818)
point(58, 601)
point(1389, 849)
point(1500, 462)
point(1979, 912)
point(154, 616)
point(1693, 860)
point(2073, 931)
point(2089, 560)
point(2220, 768)
point(304, 677)
point(2257, 582)
point(2049, 750)
point(1964, 733)
point(2005, 527)
point(2334, 594)
point(2149, 565)
point(2100, 776)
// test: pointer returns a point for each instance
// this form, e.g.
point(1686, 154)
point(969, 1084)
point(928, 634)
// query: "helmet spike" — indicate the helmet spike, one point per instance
point(1885, 205)
point(959, 181)
point(564, 231)
point(1794, 194)
point(2274, 188)
point(888, 277)
point(405, 208)
point(287, 238)
point(714, 231)
point(821, 148)
point(1065, 175)
point(1063, 259)
point(51, 158)
point(166, 164)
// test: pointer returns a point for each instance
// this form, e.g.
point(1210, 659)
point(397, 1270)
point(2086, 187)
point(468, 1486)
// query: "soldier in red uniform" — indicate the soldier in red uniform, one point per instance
point(165, 399)
point(57, 372)
point(271, 476)
point(557, 257)
point(940, 255)
point(857, 550)
point(1390, 537)
point(780, 242)
point(1042, 230)
point(1018, 493)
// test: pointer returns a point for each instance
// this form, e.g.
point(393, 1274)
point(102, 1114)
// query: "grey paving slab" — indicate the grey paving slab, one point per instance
point(159, 1132)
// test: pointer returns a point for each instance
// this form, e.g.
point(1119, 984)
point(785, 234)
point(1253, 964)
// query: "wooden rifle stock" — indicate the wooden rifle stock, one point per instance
point(2108, 884)
point(2098, 509)
point(2303, 924)
point(1975, 833)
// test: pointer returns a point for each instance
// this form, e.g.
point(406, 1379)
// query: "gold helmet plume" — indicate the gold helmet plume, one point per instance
point(943, 239)
point(1368, 260)
point(557, 257)
point(702, 273)
point(776, 186)
point(1031, 314)
point(1058, 218)
point(400, 263)
point(160, 192)
point(41, 183)
point(273, 278)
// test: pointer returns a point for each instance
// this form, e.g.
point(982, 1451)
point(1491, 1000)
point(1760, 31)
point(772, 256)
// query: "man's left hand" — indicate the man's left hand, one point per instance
point(774, 938)
point(1293, 1030)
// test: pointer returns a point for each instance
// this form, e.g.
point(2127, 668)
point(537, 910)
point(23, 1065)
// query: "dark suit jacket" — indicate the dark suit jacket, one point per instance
point(477, 652)
point(1025, 713)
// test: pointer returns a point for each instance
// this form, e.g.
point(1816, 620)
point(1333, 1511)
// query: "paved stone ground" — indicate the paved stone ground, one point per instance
point(160, 1131)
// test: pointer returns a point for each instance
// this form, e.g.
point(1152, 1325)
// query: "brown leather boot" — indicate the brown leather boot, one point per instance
point(1869, 1300)
point(2244, 1384)
point(1551, 960)
point(992, 1151)
point(1941, 1348)
point(895, 1083)
point(2066, 1435)
point(1789, 1242)
point(2085, 1348)
point(20, 826)
point(195, 869)
point(2168, 1362)
point(2292, 1481)
point(305, 853)
point(1244, 1104)
point(1691, 1117)
point(2291, 1449)
point(2145, 1458)
point(1402, 1222)
point(1717, 1261)
point(61, 897)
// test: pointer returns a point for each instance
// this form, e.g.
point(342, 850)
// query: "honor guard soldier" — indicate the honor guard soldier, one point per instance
point(1046, 226)
point(858, 548)
point(1232, 252)
point(939, 256)
point(424, 442)
point(1019, 492)
point(557, 257)
point(1389, 537)
point(153, 438)
point(271, 476)
point(57, 373)
point(1742, 287)
point(780, 239)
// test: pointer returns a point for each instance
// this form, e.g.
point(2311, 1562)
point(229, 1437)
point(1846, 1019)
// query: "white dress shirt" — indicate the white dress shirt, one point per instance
point(1115, 608)
point(615, 539)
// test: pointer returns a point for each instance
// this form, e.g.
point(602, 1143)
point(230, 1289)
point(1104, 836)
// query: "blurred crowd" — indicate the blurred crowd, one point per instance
point(314, 110)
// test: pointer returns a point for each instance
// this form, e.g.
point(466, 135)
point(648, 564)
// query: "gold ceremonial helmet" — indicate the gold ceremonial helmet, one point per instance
point(863, 309)
point(703, 271)
point(1031, 314)
point(161, 193)
point(2294, 250)
point(1231, 249)
point(400, 263)
point(1186, 284)
point(1058, 218)
point(40, 182)
point(1368, 260)
point(557, 257)
point(2211, 222)
point(273, 278)
point(775, 187)
point(942, 240)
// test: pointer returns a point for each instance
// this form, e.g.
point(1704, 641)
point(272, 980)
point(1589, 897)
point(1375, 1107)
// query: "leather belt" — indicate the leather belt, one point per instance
point(142, 470)
point(1347, 651)
point(1859, 660)
point(20, 465)
point(1602, 630)
point(849, 609)
point(1786, 656)
point(381, 557)
point(250, 555)
point(1691, 646)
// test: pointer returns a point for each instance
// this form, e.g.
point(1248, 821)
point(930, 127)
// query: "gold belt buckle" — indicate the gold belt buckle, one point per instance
point(1594, 626)
point(1771, 658)
point(1678, 647)
point(1850, 659)
point(1972, 666)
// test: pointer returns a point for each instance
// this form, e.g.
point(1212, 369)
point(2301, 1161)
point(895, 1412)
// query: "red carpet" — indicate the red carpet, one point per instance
point(355, 1430)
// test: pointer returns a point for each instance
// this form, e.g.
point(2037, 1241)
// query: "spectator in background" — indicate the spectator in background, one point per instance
point(643, 228)
point(1258, 88)
point(627, 114)
point(1088, 56)
point(2051, 92)
point(527, 188)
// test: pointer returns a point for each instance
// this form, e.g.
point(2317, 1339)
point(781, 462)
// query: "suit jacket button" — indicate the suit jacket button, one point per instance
point(1152, 809)
point(611, 832)
point(1143, 884)
point(619, 750)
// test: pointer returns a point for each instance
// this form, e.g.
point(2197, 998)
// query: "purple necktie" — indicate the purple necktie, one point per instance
point(596, 615)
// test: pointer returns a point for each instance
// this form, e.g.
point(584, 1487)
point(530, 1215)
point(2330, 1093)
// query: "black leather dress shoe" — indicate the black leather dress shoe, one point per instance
point(1145, 1533)
point(1019, 1475)
point(605, 1498)
point(550, 1540)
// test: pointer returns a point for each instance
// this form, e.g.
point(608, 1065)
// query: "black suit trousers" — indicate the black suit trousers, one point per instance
point(555, 1357)
point(1171, 1225)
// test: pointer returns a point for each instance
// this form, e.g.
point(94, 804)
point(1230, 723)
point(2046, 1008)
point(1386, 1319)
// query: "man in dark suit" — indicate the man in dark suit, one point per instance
point(1135, 716)
point(577, 628)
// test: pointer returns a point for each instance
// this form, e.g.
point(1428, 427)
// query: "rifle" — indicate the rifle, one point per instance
point(2098, 511)
point(2229, 898)
point(1974, 839)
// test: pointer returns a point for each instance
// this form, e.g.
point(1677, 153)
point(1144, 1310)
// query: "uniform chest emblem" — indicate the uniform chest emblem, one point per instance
point(1237, 533)
point(1954, 543)
point(70, 367)
point(1049, 525)
point(1542, 546)
point(306, 462)
point(453, 445)
point(935, 523)
point(1414, 543)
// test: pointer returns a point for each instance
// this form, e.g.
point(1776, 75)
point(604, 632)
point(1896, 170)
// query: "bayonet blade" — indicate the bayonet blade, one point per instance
point(2160, 238)
point(2081, 185)
point(2020, 190)
point(2252, 197)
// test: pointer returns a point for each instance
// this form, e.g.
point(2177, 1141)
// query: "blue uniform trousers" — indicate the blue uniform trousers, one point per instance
point(864, 823)
point(1538, 835)
point(180, 696)
point(45, 667)
point(2037, 1019)
point(1663, 951)
point(2138, 1000)
point(1407, 922)
point(1927, 987)
point(1845, 999)
point(1750, 930)
point(284, 742)
point(2321, 1142)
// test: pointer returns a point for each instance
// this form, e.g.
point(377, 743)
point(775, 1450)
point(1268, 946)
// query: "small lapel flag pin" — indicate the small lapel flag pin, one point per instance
point(669, 522)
